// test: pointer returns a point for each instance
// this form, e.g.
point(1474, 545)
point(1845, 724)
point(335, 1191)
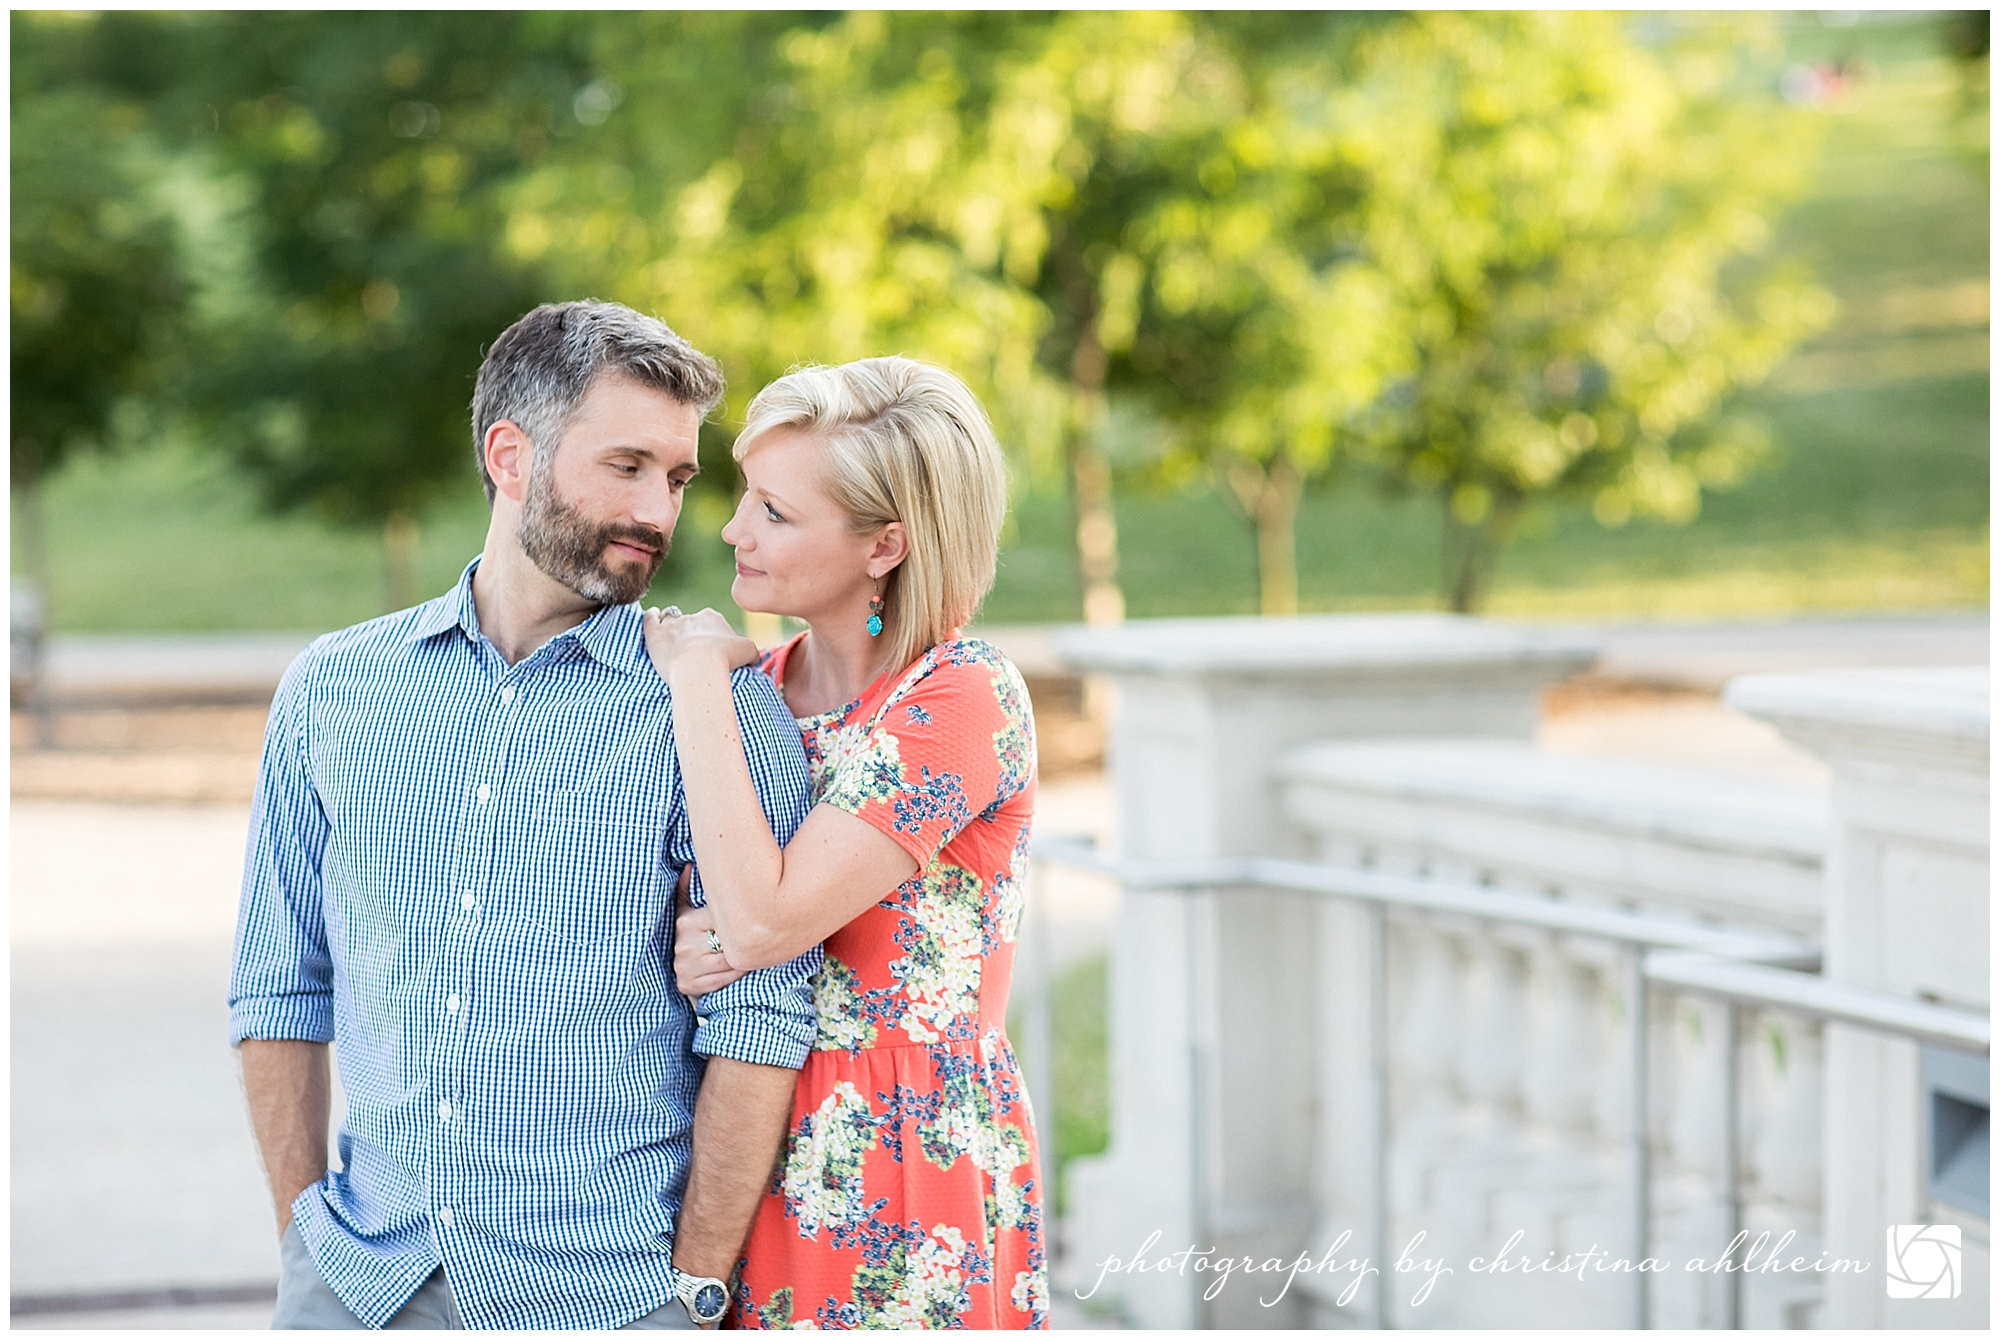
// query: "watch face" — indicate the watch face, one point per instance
point(709, 1301)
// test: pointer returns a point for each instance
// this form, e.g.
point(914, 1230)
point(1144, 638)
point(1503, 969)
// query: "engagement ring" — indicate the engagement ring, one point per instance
point(714, 944)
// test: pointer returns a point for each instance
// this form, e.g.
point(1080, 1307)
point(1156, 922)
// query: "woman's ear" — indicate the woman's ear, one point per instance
point(891, 547)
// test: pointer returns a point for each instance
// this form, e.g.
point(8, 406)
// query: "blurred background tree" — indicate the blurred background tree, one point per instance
point(1556, 209)
point(1247, 330)
point(372, 151)
point(98, 286)
point(1284, 262)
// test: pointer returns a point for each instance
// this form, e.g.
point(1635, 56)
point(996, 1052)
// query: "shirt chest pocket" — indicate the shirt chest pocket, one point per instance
point(593, 865)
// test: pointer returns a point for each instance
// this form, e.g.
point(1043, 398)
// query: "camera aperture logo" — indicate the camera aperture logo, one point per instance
point(1924, 1261)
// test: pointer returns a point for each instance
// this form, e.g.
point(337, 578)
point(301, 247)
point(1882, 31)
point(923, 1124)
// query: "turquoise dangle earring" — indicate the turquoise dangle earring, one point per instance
point(875, 615)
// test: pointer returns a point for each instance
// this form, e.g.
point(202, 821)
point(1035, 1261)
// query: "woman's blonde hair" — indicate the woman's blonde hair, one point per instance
point(905, 441)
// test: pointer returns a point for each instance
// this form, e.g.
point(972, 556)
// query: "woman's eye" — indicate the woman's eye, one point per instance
point(772, 512)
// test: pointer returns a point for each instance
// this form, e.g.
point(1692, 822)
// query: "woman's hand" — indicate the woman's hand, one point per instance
point(673, 638)
point(697, 969)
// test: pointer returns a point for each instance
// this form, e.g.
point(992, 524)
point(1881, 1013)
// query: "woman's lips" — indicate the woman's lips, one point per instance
point(744, 571)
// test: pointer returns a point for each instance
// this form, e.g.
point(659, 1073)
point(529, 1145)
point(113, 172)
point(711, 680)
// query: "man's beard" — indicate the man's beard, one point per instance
point(569, 547)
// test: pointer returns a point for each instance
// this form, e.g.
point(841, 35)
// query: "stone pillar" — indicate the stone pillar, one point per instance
point(1215, 1001)
point(1906, 912)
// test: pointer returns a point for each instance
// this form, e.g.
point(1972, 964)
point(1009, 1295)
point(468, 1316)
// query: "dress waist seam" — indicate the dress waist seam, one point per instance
point(971, 1047)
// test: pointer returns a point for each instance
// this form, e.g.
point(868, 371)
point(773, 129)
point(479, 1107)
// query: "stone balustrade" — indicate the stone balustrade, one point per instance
point(1243, 1118)
point(1508, 1077)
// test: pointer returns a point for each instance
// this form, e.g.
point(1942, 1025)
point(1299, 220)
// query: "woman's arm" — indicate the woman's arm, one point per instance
point(771, 903)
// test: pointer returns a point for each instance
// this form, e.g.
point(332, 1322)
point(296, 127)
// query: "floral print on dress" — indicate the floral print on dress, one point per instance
point(910, 1193)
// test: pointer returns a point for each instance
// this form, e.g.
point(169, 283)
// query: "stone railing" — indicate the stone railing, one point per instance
point(1267, 1047)
point(1508, 1078)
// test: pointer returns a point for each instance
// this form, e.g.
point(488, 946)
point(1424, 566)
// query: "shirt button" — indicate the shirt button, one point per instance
point(451, 1003)
point(444, 1215)
point(467, 901)
point(444, 1110)
point(507, 693)
point(485, 793)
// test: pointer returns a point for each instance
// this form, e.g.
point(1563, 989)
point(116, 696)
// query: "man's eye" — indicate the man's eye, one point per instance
point(680, 484)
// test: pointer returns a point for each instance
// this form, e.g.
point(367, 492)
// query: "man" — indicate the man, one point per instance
point(462, 856)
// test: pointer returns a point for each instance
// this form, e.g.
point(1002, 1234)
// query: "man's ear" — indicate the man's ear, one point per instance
point(509, 456)
point(891, 547)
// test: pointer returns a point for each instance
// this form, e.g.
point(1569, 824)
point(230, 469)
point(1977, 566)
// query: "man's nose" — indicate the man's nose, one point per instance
point(659, 509)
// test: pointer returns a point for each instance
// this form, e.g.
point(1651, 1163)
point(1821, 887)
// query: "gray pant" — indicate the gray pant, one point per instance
point(305, 1303)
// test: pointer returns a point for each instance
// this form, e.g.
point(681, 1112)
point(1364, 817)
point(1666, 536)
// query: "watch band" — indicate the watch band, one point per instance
point(705, 1297)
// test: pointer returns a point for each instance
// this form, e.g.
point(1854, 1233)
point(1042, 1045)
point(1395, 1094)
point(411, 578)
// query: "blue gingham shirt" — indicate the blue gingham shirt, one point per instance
point(461, 873)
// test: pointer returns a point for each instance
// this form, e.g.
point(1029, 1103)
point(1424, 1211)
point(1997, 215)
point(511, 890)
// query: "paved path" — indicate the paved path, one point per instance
point(133, 1165)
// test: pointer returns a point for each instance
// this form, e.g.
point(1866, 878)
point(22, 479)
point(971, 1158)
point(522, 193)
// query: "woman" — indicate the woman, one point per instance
point(910, 1193)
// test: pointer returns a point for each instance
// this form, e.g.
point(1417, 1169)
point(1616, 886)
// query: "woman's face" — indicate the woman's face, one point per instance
point(796, 551)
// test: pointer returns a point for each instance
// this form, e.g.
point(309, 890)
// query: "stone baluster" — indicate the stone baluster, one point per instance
point(1569, 1045)
point(1426, 1117)
point(1690, 1173)
point(1783, 1166)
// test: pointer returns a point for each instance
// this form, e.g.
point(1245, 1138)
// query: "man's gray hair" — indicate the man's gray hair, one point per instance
point(542, 366)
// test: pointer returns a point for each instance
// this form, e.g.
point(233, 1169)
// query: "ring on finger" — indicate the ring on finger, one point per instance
point(714, 942)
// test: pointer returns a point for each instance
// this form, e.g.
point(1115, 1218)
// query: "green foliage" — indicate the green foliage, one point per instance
point(1505, 262)
point(868, 197)
point(372, 149)
point(340, 172)
point(1554, 208)
point(97, 292)
point(1079, 1007)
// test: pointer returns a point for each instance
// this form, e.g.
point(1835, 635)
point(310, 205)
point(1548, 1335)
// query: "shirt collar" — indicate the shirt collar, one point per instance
point(613, 635)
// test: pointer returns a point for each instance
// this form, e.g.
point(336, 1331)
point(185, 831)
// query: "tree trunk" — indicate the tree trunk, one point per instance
point(399, 560)
point(1090, 485)
point(1470, 551)
point(1270, 498)
point(28, 615)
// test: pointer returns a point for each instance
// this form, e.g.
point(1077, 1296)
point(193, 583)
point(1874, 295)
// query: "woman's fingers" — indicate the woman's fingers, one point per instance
point(669, 634)
point(701, 986)
point(698, 968)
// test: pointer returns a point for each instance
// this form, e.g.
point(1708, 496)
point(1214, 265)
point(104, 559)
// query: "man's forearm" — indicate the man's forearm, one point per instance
point(739, 1125)
point(290, 1097)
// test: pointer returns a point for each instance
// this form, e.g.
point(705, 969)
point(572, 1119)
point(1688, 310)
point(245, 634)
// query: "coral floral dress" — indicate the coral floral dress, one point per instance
point(910, 1194)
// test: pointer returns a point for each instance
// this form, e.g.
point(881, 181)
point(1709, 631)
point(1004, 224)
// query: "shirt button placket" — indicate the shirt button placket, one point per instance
point(484, 826)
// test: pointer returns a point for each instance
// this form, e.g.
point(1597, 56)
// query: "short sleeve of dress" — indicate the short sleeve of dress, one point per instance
point(953, 745)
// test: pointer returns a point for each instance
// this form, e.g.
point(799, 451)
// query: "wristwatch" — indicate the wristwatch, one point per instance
point(705, 1298)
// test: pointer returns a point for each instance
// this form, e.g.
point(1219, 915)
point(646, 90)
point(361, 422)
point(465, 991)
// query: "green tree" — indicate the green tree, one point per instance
point(97, 283)
point(1568, 219)
point(372, 151)
point(1255, 341)
point(850, 205)
point(345, 170)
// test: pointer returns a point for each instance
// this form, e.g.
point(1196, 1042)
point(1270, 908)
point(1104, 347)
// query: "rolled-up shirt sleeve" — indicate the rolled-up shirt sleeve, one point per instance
point(281, 984)
point(765, 1016)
